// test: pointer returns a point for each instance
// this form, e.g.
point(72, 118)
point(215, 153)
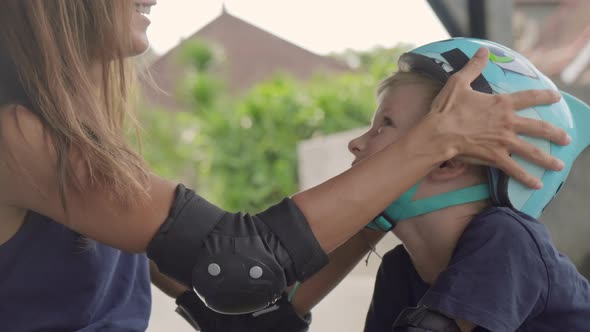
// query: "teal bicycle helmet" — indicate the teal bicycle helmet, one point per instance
point(506, 72)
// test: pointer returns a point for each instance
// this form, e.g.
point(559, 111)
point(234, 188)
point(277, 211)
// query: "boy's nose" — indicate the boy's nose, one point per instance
point(355, 146)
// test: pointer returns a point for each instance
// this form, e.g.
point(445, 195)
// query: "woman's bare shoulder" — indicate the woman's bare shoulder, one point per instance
point(21, 126)
point(27, 156)
point(11, 220)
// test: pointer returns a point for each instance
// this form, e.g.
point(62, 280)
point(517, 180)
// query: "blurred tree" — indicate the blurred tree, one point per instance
point(171, 144)
point(378, 62)
point(242, 154)
point(171, 141)
point(252, 146)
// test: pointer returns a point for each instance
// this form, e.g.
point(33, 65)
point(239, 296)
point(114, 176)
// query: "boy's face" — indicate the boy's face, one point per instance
point(401, 108)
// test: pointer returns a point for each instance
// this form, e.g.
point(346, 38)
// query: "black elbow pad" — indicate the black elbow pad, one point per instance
point(236, 263)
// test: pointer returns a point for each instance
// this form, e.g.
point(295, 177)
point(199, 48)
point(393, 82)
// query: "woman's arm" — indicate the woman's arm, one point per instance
point(28, 180)
point(342, 261)
point(165, 284)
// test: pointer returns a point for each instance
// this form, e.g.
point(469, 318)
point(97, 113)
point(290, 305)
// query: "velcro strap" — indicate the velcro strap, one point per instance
point(177, 244)
point(290, 226)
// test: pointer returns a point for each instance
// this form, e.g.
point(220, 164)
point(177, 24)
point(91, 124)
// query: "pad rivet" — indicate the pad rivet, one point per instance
point(256, 272)
point(214, 269)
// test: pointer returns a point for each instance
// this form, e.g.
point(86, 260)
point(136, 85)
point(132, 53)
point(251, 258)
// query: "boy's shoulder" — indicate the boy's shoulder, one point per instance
point(505, 273)
point(503, 217)
point(500, 238)
point(496, 260)
point(505, 226)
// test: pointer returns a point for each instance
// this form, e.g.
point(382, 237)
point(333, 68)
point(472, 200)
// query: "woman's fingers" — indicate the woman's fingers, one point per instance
point(534, 154)
point(472, 160)
point(530, 98)
point(513, 169)
point(541, 129)
point(498, 154)
point(474, 67)
point(488, 127)
point(499, 157)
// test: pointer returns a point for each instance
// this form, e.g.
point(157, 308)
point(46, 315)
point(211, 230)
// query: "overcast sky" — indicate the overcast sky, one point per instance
point(321, 26)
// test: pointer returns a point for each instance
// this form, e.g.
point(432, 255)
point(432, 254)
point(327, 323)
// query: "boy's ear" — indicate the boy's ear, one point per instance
point(449, 170)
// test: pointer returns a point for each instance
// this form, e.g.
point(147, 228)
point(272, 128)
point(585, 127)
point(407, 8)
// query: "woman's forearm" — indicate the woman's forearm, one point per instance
point(342, 261)
point(165, 284)
point(340, 207)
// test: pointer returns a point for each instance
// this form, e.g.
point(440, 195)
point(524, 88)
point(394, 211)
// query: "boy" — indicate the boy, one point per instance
point(466, 267)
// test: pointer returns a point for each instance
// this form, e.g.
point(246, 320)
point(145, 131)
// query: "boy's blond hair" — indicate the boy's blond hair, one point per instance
point(431, 86)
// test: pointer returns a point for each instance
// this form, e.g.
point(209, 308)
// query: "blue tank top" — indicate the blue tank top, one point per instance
point(52, 279)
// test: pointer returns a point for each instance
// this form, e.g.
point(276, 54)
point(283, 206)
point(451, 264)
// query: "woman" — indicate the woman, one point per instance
point(69, 172)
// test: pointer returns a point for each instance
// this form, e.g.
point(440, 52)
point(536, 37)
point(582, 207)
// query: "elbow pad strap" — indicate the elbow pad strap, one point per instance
point(289, 224)
point(176, 246)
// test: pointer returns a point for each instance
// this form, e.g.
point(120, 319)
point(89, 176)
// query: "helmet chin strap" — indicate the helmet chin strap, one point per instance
point(404, 207)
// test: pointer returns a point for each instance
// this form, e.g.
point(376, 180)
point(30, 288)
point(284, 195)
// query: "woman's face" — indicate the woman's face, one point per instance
point(139, 25)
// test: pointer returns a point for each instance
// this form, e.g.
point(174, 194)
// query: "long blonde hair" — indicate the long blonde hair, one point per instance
point(52, 44)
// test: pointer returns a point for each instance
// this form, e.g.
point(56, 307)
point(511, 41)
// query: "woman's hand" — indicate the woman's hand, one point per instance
point(485, 127)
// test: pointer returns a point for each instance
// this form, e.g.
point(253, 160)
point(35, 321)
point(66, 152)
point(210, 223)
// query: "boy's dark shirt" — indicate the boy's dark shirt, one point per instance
point(504, 275)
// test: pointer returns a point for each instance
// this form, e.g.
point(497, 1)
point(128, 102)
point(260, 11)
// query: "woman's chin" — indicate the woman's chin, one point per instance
point(140, 45)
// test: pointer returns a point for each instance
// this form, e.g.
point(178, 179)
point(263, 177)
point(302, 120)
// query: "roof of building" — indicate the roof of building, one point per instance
point(250, 53)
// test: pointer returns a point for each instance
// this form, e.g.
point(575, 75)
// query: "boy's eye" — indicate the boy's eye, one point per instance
point(387, 122)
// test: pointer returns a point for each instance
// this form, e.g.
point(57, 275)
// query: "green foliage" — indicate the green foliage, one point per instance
point(377, 62)
point(198, 54)
point(205, 90)
point(244, 151)
point(252, 146)
point(171, 144)
point(200, 86)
